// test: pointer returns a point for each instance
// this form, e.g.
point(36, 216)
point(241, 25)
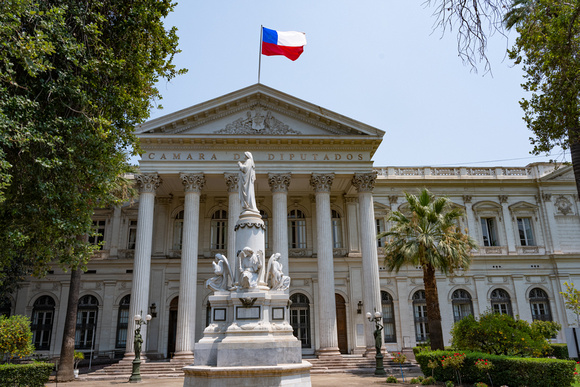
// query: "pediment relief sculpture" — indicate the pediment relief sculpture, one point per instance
point(258, 121)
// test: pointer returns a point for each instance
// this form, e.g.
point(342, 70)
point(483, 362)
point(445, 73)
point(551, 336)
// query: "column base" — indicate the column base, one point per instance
point(183, 355)
point(328, 352)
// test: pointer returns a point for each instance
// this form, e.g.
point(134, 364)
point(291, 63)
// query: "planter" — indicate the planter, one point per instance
point(76, 372)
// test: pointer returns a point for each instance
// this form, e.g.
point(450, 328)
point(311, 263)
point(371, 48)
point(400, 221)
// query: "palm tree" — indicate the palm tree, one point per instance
point(430, 237)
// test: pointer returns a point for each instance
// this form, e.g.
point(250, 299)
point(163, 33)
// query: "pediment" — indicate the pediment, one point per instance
point(565, 173)
point(523, 206)
point(257, 110)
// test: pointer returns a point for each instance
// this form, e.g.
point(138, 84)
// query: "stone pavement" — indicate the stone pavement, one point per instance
point(320, 380)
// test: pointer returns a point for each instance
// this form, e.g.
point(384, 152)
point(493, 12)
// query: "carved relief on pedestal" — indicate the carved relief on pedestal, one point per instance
point(258, 121)
point(364, 182)
point(279, 182)
point(321, 182)
point(148, 182)
point(193, 182)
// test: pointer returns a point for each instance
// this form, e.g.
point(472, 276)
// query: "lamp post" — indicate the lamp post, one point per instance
point(379, 368)
point(137, 343)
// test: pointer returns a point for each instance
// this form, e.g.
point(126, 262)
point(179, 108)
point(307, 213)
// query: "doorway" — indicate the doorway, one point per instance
point(172, 327)
point(341, 324)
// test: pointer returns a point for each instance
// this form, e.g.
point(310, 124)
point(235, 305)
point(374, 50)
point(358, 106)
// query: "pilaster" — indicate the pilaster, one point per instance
point(508, 224)
point(279, 184)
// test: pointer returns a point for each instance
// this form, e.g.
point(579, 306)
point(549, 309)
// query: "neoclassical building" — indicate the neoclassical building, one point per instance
point(323, 202)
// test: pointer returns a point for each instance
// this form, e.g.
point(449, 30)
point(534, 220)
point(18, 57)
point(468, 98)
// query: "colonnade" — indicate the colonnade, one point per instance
point(194, 183)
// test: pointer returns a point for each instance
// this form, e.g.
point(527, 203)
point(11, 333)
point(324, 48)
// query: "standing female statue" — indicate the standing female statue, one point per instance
point(246, 185)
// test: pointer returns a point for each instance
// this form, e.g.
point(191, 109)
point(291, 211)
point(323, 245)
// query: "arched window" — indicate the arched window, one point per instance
point(264, 216)
point(420, 315)
point(336, 230)
point(388, 317)
point(462, 305)
point(42, 317)
point(178, 231)
point(86, 322)
point(296, 230)
point(540, 305)
point(219, 230)
point(300, 318)
point(5, 307)
point(123, 321)
point(501, 302)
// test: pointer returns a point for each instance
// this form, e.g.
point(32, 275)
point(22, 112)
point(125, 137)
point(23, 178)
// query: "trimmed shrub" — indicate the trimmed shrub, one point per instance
point(15, 337)
point(21, 375)
point(559, 351)
point(512, 371)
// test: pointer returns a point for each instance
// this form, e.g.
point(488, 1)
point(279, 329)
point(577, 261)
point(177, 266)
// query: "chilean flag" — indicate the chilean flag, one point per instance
point(288, 43)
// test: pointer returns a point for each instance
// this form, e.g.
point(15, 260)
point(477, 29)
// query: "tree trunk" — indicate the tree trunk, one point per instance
point(65, 371)
point(433, 312)
point(574, 138)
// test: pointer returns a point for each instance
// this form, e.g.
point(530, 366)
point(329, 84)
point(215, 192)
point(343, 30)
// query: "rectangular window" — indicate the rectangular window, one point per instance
point(99, 231)
point(132, 235)
point(336, 233)
point(380, 223)
point(219, 233)
point(489, 232)
point(525, 232)
point(297, 234)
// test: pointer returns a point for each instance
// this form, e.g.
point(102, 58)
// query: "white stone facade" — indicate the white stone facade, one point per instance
point(322, 201)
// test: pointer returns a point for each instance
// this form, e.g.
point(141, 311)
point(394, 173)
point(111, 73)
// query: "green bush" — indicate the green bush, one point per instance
point(21, 375)
point(15, 337)
point(512, 371)
point(559, 351)
point(392, 379)
point(428, 381)
point(501, 334)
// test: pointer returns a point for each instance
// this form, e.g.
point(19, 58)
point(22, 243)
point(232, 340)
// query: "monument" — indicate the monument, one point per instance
point(249, 341)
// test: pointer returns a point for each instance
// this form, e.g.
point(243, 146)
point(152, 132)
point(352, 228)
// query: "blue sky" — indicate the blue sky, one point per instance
point(378, 62)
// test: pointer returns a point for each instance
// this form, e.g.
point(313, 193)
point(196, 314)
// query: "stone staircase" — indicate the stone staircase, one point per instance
point(167, 368)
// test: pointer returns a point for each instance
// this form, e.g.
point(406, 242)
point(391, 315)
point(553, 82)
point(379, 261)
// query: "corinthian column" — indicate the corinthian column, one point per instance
point(364, 183)
point(147, 184)
point(185, 333)
point(327, 304)
point(279, 185)
point(234, 209)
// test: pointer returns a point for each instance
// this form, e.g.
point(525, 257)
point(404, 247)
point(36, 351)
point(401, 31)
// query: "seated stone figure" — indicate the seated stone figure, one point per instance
point(249, 268)
point(222, 271)
point(276, 278)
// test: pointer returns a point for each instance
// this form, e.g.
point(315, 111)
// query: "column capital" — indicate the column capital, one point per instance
point(148, 182)
point(321, 182)
point(232, 181)
point(351, 199)
point(279, 182)
point(546, 197)
point(503, 199)
point(467, 198)
point(193, 182)
point(364, 182)
point(393, 199)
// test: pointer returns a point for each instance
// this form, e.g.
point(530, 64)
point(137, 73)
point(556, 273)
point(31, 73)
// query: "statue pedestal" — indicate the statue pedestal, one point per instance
point(249, 342)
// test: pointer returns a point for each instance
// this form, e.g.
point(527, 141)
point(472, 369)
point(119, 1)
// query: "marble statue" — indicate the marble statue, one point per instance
point(246, 185)
point(275, 276)
point(249, 268)
point(222, 271)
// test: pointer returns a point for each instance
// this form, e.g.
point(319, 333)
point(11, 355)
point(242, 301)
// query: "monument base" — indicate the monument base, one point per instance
point(291, 375)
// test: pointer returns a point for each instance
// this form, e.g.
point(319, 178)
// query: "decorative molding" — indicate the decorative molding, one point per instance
point(563, 205)
point(148, 182)
point(250, 225)
point(503, 199)
point(298, 253)
point(467, 198)
point(232, 181)
point(321, 182)
point(351, 199)
point(279, 182)
point(547, 197)
point(164, 199)
point(193, 182)
point(393, 199)
point(364, 182)
point(256, 122)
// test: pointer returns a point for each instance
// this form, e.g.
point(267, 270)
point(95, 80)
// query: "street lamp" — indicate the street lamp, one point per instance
point(379, 368)
point(137, 343)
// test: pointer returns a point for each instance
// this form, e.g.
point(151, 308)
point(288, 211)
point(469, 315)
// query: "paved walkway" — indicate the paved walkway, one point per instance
point(318, 380)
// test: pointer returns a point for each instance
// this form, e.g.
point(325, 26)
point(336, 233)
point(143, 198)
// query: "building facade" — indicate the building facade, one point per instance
point(323, 202)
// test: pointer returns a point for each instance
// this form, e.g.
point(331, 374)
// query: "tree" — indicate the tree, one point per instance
point(572, 299)
point(15, 337)
point(75, 78)
point(428, 236)
point(548, 47)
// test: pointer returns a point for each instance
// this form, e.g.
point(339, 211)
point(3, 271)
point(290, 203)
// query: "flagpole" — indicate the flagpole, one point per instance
point(260, 53)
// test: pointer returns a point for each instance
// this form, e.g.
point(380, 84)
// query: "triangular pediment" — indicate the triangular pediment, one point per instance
point(257, 110)
point(562, 173)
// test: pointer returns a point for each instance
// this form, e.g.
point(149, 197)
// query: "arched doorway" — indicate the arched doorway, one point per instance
point(341, 323)
point(172, 327)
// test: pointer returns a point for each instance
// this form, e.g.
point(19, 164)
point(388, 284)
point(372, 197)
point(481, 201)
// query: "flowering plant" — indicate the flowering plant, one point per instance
point(399, 358)
point(455, 362)
point(483, 365)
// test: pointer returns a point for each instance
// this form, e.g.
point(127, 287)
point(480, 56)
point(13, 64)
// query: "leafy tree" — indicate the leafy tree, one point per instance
point(501, 334)
point(75, 78)
point(572, 299)
point(15, 337)
point(428, 236)
point(548, 47)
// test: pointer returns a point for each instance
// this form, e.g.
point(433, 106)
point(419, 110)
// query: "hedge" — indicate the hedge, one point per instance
point(559, 351)
point(512, 371)
point(21, 375)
